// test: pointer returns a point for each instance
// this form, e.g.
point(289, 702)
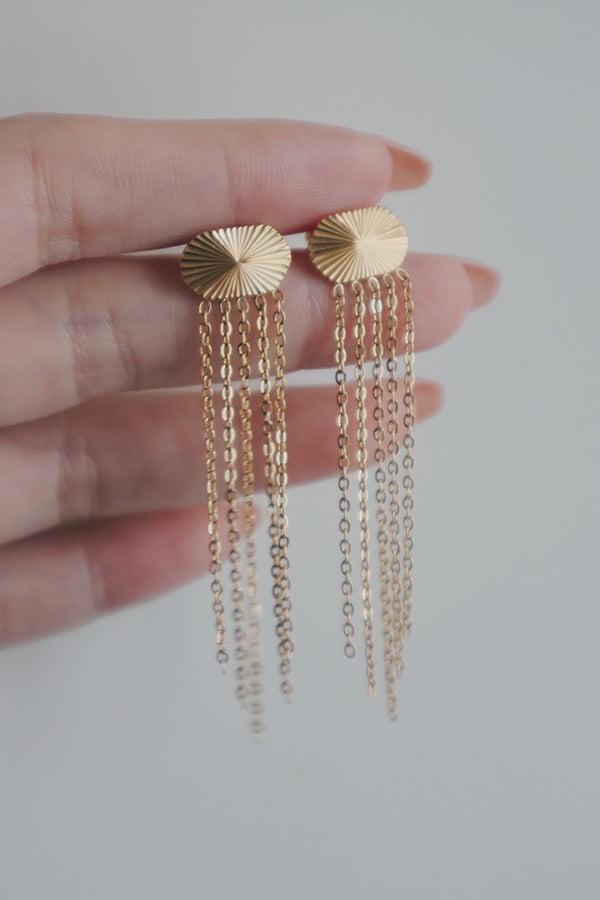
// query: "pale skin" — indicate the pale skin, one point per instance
point(102, 495)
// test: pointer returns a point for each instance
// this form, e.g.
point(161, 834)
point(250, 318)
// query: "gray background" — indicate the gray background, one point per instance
point(125, 767)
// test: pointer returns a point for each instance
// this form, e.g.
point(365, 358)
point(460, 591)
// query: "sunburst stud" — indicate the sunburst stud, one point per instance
point(362, 243)
point(235, 262)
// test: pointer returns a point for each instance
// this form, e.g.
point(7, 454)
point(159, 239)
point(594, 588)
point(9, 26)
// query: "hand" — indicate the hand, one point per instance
point(101, 474)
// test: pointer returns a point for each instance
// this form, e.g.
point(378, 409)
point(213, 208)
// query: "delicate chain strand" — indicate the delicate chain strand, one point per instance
point(343, 466)
point(362, 456)
point(408, 443)
point(269, 443)
point(214, 545)
point(254, 640)
point(283, 603)
point(393, 469)
point(381, 497)
point(230, 475)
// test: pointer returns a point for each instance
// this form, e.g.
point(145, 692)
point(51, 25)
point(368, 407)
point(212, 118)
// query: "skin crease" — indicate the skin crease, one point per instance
point(101, 491)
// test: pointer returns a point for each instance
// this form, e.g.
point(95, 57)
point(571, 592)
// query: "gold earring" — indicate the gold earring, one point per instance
point(351, 248)
point(228, 268)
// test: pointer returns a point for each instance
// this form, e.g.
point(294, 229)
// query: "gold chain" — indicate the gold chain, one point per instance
point(381, 497)
point(343, 466)
point(282, 582)
point(393, 469)
point(254, 641)
point(214, 545)
point(266, 408)
point(230, 475)
point(408, 444)
point(362, 456)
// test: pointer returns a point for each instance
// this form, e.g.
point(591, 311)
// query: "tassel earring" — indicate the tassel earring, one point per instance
point(361, 252)
point(237, 273)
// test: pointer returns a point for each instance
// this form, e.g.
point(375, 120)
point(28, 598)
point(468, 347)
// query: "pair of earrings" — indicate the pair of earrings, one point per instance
point(237, 272)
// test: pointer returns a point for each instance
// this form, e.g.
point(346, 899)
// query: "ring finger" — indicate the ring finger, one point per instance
point(140, 452)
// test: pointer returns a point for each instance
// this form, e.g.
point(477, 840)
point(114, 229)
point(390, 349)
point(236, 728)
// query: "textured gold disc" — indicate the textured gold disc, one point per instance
point(235, 262)
point(361, 243)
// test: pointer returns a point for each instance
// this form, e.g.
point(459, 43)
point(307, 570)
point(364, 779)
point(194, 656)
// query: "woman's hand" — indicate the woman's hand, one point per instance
point(101, 474)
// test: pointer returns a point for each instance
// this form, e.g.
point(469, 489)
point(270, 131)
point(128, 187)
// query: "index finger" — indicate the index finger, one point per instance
point(84, 186)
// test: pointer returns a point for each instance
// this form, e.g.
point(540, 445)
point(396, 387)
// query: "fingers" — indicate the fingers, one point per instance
point(483, 280)
point(81, 186)
point(143, 452)
point(81, 330)
point(59, 580)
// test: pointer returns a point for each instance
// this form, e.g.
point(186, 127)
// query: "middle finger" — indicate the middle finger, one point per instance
point(81, 330)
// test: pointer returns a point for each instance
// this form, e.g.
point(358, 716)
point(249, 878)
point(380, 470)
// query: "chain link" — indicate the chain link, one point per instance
point(230, 475)
point(214, 545)
point(393, 470)
point(408, 444)
point(269, 444)
point(343, 466)
point(363, 494)
point(255, 700)
point(381, 498)
point(283, 604)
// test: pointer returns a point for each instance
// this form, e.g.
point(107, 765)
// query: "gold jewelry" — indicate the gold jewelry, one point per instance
point(229, 266)
point(351, 248)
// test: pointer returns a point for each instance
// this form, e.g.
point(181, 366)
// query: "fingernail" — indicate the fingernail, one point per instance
point(409, 169)
point(429, 399)
point(484, 282)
